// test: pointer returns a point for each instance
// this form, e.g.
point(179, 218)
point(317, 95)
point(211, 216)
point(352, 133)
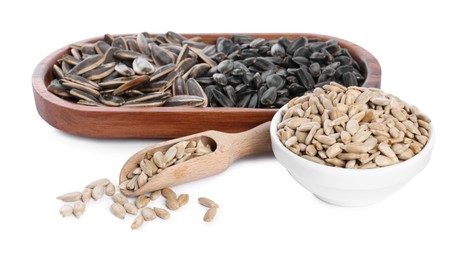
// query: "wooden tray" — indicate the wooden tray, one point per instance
point(165, 122)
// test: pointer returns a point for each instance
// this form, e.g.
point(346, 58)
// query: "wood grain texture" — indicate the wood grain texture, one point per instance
point(226, 149)
point(165, 122)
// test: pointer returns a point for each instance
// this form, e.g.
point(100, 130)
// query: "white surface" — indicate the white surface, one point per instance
point(348, 187)
point(264, 213)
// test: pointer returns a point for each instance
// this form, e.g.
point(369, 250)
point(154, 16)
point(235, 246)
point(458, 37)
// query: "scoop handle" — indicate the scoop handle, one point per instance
point(230, 147)
point(252, 141)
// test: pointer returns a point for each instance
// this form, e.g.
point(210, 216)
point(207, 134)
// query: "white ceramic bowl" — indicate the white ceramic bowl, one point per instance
point(348, 187)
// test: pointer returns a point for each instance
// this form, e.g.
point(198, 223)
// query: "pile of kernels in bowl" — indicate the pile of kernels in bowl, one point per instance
point(353, 127)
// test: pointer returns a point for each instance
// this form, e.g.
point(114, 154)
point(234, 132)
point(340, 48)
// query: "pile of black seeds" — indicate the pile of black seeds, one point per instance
point(260, 73)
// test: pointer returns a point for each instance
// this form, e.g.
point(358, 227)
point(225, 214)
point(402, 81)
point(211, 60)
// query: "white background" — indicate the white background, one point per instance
point(264, 213)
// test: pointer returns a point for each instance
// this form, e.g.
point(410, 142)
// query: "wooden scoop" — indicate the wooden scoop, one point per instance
point(226, 149)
